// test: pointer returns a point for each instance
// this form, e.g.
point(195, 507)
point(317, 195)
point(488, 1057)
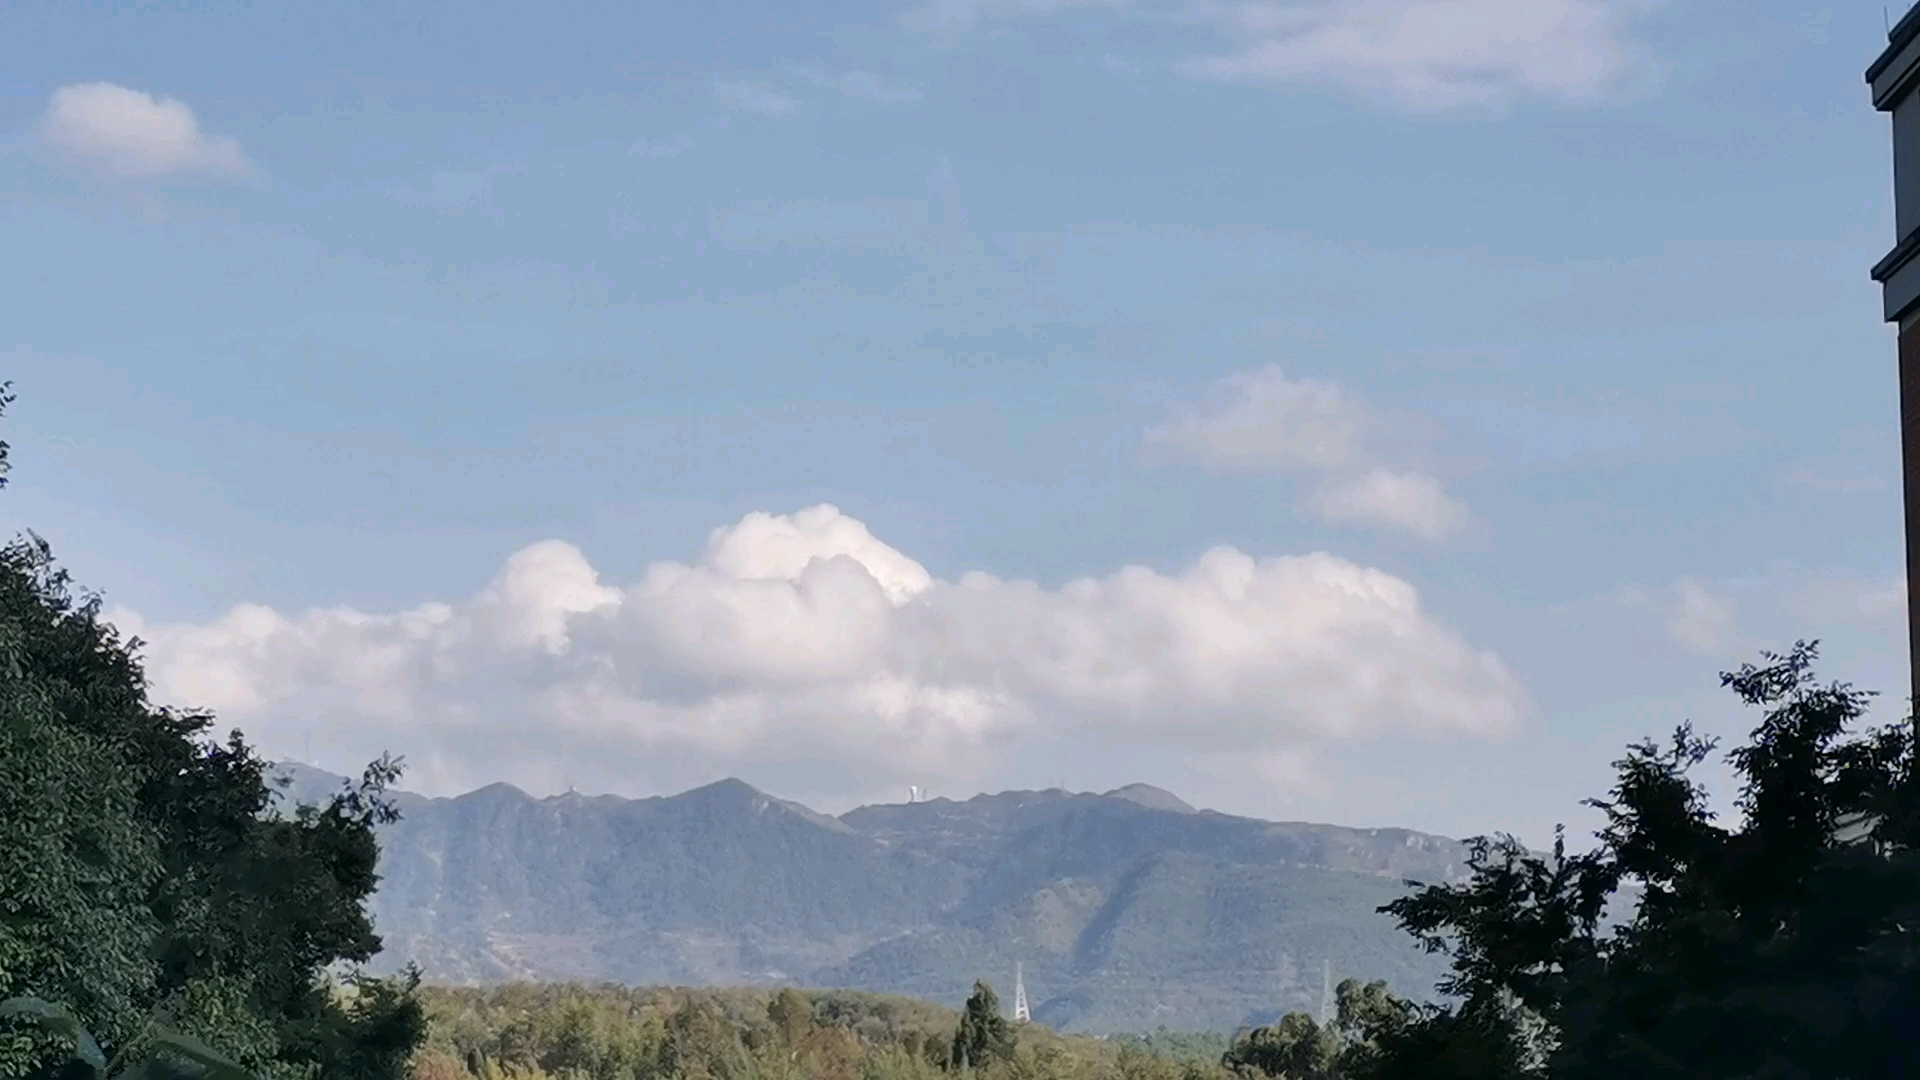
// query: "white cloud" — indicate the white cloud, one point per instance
point(1262, 419)
point(755, 98)
point(1424, 55)
point(1408, 501)
point(1427, 54)
point(803, 642)
point(136, 134)
point(1696, 617)
point(1265, 420)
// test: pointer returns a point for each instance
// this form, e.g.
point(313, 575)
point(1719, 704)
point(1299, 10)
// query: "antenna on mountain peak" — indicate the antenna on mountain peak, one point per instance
point(1021, 1014)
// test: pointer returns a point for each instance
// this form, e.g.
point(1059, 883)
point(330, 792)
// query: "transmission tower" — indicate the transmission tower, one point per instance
point(1326, 991)
point(1020, 1012)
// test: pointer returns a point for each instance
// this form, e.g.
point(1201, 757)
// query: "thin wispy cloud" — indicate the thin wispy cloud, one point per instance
point(866, 85)
point(660, 148)
point(1410, 501)
point(457, 193)
point(961, 14)
point(756, 98)
point(1697, 616)
point(1420, 55)
point(1265, 420)
point(132, 133)
point(1846, 485)
point(1426, 54)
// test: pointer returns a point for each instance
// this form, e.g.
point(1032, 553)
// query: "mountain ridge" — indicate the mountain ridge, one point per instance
point(1127, 910)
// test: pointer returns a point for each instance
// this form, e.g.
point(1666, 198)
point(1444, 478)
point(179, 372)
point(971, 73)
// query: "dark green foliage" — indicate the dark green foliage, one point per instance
point(157, 1055)
point(140, 881)
point(984, 1036)
point(1774, 948)
point(549, 1031)
point(1182, 1047)
point(1297, 1048)
point(6, 399)
point(80, 856)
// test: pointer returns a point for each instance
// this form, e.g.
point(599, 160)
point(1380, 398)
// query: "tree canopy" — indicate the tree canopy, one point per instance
point(984, 1036)
point(142, 878)
point(1777, 946)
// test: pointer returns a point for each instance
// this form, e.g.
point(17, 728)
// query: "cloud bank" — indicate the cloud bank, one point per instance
point(801, 645)
point(130, 133)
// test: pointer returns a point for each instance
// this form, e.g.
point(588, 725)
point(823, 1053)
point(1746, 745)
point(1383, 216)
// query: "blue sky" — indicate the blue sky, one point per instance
point(1553, 315)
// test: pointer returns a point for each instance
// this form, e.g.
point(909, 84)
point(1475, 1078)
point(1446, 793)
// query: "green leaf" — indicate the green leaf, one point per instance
point(58, 1020)
point(186, 1046)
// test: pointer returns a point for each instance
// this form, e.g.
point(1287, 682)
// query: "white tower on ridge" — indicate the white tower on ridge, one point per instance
point(1021, 1014)
point(1326, 991)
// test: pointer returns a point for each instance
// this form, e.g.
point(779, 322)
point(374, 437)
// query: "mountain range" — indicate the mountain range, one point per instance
point(1126, 911)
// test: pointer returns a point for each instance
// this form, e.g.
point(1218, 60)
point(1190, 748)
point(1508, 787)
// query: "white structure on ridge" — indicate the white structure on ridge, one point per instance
point(1021, 1014)
point(1326, 991)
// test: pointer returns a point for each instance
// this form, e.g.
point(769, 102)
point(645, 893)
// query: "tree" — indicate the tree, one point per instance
point(6, 399)
point(792, 1016)
point(140, 878)
point(1297, 1048)
point(1773, 948)
point(984, 1036)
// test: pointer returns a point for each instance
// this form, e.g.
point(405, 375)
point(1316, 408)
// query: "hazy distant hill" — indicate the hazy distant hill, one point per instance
point(1128, 910)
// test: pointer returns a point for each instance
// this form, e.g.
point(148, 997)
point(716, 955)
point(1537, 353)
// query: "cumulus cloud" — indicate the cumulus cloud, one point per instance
point(136, 134)
point(1266, 420)
point(1408, 501)
point(802, 641)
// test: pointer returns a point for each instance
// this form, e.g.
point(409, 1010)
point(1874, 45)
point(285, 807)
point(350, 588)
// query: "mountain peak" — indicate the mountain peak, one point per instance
point(729, 788)
point(733, 792)
point(1152, 798)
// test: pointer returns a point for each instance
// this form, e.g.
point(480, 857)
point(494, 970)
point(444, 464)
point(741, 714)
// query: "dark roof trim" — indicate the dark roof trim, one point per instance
point(1901, 254)
point(1903, 32)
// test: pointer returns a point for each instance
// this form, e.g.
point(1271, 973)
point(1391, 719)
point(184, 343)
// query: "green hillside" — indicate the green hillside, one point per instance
point(1128, 911)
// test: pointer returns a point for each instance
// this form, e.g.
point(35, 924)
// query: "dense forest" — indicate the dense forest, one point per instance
point(155, 915)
